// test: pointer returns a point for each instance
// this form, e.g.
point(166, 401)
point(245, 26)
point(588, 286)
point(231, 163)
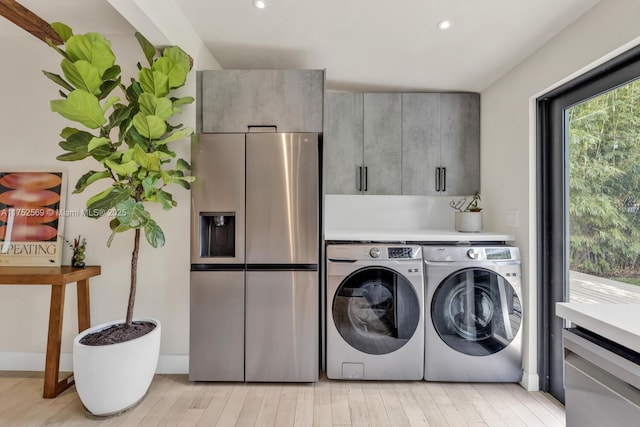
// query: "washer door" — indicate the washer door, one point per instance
point(476, 312)
point(376, 310)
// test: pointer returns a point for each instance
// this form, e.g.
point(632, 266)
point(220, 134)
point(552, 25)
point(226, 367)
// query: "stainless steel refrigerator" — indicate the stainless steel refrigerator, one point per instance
point(254, 299)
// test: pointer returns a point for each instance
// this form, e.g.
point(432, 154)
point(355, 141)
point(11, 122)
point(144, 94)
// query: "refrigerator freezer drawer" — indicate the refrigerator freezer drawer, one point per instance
point(216, 342)
point(282, 326)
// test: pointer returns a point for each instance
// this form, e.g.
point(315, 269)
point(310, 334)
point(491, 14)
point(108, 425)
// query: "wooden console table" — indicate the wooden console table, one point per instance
point(58, 278)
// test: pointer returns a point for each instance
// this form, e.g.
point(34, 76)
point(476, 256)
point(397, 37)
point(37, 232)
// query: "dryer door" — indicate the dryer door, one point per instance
point(476, 311)
point(376, 310)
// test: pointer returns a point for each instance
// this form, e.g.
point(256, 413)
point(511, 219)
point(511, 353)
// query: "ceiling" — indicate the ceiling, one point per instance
point(373, 45)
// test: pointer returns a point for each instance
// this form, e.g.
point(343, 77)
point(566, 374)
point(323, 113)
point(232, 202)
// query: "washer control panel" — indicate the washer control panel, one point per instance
point(373, 251)
point(401, 252)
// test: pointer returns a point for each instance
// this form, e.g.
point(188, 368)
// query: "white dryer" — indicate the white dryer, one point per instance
point(375, 312)
point(474, 310)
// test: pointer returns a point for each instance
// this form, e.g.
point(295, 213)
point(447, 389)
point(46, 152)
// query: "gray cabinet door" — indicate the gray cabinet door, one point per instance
point(420, 143)
point(343, 143)
point(291, 100)
point(460, 122)
point(382, 143)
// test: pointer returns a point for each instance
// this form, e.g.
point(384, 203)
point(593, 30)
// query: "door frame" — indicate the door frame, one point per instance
point(552, 204)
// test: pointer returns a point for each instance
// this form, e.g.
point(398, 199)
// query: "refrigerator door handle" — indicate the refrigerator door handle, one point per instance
point(438, 179)
point(262, 128)
point(359, 178)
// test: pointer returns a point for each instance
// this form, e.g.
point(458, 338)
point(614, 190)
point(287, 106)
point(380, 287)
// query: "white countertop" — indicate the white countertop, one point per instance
point(618, 322)
point(413, 235)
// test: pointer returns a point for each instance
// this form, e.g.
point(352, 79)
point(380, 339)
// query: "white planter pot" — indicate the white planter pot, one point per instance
point(468, 222)
point(112, 378)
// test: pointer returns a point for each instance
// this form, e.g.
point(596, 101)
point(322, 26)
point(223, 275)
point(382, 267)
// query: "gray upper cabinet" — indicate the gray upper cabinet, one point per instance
point(460, 155)
point(382, 143)
point(234, 100)
point(363, 143)
point(440, 144)
point(343, 139)
point(420, 142)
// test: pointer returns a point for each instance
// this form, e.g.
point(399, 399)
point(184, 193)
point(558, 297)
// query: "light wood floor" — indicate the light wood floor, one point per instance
point(174, 401)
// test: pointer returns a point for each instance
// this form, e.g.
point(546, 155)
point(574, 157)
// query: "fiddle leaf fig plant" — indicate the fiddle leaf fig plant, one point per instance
point(126, 129)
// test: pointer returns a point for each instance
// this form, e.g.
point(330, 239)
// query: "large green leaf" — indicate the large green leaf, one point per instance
point(154, 234)
point(166, 199)
point(124, 169)
point(62, 30)
point(76, 140)
point(99, 204)
point(152, 127)
point(179, 57)
point(132, 214)
point(108, 86)
point(92, 47)
point(97, 142)
point(119, 115)
point(182, 164)
point(116, 227)
point(88, 179)
point(154, 82)
point(149, 161)
point(82, 75)
point(176, 74)
point(182, 133)
point(111, 73)
point(71, 157)
point(147, 48)
point(148, 184)
point(58, 80)
point(153, 106)
point(82, 107)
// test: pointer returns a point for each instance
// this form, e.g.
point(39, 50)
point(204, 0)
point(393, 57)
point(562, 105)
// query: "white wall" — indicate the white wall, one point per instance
point(30, 139)
point(508, 148)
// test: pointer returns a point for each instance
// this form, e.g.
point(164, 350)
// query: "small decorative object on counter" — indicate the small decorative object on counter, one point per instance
point(468, 218)
point(79, 247)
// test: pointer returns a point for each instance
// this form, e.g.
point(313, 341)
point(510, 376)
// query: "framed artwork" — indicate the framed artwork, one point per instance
point(32, 211)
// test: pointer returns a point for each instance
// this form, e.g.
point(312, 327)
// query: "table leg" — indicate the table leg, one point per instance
point(54, 341)
point(84, 310)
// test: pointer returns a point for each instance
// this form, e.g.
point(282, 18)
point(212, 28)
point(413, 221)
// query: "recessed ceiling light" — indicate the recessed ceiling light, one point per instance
point(443, 25)
point(260, 4)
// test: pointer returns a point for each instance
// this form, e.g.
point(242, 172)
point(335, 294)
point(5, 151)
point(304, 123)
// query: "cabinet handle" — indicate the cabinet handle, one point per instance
point(444, 179)
point(366, 178)
point(437, 179)
point(359, 185)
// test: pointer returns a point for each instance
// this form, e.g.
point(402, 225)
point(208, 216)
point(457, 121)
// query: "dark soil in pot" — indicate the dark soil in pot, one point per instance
point(117, 333)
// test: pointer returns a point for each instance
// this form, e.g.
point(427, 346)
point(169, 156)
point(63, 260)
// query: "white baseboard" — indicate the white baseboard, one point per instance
point(10, 361)
point(530, 382)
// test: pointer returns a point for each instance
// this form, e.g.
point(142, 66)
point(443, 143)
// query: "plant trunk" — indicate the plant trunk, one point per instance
point(134, 277)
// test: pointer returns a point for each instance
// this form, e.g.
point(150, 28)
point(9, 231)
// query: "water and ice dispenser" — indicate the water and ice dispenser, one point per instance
point(217, 234)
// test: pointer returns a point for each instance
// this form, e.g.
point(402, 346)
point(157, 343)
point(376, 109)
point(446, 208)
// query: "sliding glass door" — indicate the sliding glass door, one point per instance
point(588, 199)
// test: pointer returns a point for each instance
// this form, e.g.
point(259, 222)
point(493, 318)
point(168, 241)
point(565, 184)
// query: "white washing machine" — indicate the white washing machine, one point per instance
point(375, 312)
point(473, 331)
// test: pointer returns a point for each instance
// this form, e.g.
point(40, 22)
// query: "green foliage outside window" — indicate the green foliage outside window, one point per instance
point(604, 184)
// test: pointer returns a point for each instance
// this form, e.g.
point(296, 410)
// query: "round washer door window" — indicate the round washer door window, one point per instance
point(476, 311)
point(376, 310)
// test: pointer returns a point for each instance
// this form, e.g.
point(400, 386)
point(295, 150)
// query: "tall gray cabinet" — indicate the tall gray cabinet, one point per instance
point(363, 140)
point(402, 143)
